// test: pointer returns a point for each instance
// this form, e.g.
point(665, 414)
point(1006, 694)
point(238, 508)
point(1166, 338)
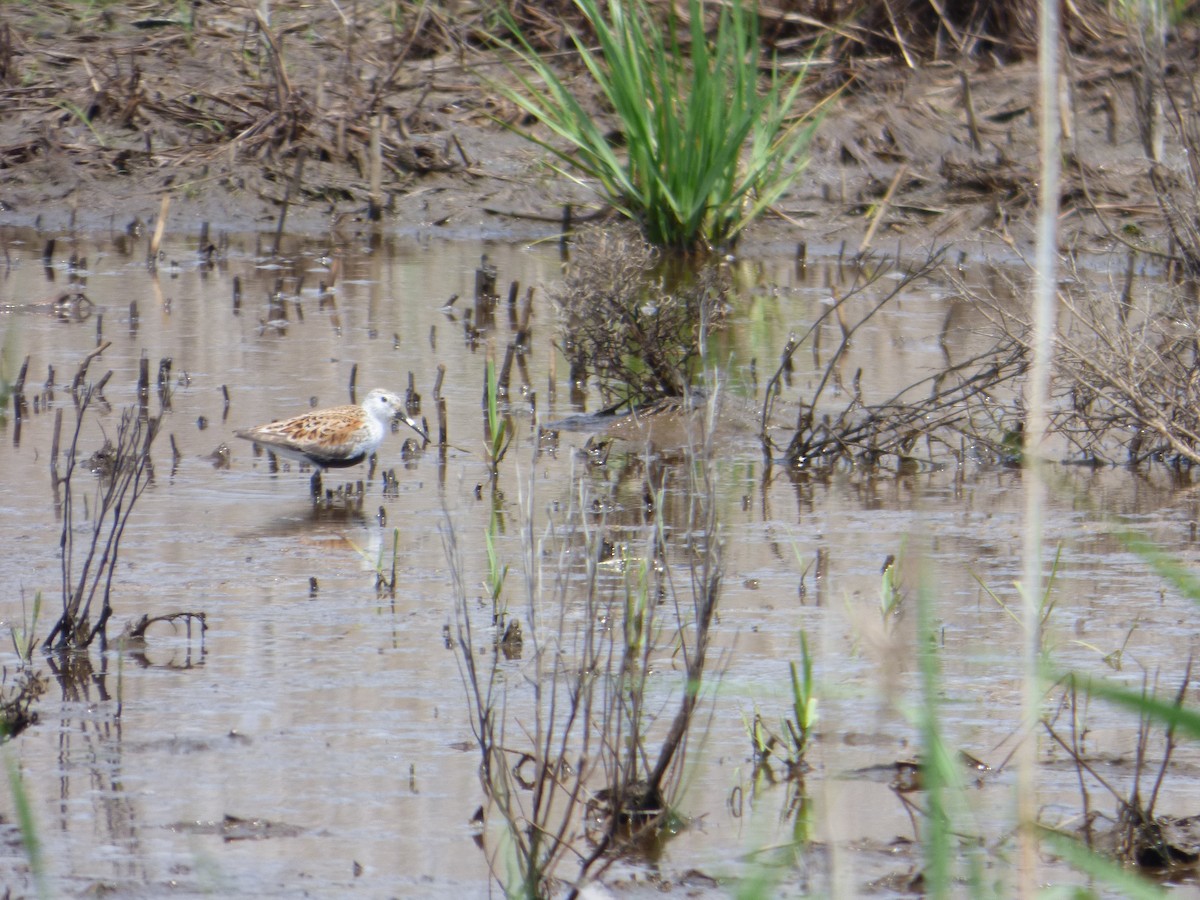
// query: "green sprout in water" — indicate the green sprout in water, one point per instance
point(790, 744)
point(499, 426)
point(24, 636)
point(497, 570)
point(890, 596)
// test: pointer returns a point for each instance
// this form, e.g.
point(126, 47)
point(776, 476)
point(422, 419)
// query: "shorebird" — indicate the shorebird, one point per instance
point(333, 438)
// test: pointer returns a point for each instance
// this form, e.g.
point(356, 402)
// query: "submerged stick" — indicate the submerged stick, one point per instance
point(523, 320)
point(485, 293)
point(505, 371)
point(437, 382)
point(412, 400)
point(19, 384)
point(164, 382)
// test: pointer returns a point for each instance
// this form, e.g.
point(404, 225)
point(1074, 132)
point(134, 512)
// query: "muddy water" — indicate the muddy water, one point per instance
point(315, 740)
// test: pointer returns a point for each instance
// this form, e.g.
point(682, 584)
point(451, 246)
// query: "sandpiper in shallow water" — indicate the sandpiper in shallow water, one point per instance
point(334, 438)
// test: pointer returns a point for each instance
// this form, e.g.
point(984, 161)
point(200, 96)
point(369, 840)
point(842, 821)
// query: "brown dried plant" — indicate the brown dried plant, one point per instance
point(121, 470)
point(634, 321)
point(944, 412)
point(1127, 377)
point(577, 762)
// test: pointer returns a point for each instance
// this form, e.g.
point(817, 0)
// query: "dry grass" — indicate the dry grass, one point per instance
point(1125, 383)
point(951, 412)
point(582, 756)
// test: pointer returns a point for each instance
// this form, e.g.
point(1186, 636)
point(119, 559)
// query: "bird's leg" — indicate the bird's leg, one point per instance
point(315, 484)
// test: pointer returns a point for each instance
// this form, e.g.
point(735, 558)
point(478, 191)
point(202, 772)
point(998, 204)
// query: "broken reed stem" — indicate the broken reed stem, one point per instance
point(81, 372)
point(54, 444)
point(143, 382)
point(159, 227)
point(514, 289)
point(505, 371)
point(462, 153)
point(437, 382)
point(969, 105)
point(485, 295)
point(293, 187)
point(1110, 118)
point(375, 201)
point(883, 207)
point(283, 87)
point(1125, 306)
point(19, 384)
point(164, 382)
point(523, 320)
point(412, 399)
point(565, 231)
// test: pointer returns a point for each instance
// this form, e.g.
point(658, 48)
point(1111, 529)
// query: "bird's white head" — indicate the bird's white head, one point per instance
point(385, 406)
point(382, 405)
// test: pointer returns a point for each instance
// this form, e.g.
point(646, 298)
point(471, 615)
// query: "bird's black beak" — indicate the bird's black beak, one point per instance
point(413, 424)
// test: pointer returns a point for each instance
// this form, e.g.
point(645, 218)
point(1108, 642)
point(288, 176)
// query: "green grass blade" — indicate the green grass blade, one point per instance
point(1168, 712)
point(26, 824)
point(1101, 868)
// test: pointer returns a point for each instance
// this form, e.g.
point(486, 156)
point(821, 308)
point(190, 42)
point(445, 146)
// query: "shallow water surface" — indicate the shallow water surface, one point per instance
point(315, 739)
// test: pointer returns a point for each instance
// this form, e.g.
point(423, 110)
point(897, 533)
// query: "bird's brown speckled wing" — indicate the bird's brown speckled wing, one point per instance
point(333, 433)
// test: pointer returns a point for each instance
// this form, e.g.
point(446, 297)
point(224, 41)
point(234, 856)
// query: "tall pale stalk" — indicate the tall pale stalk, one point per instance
point(1036, 426)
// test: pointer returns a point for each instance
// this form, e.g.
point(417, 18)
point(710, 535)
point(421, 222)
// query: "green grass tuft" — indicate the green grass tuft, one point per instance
point(706, 150)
